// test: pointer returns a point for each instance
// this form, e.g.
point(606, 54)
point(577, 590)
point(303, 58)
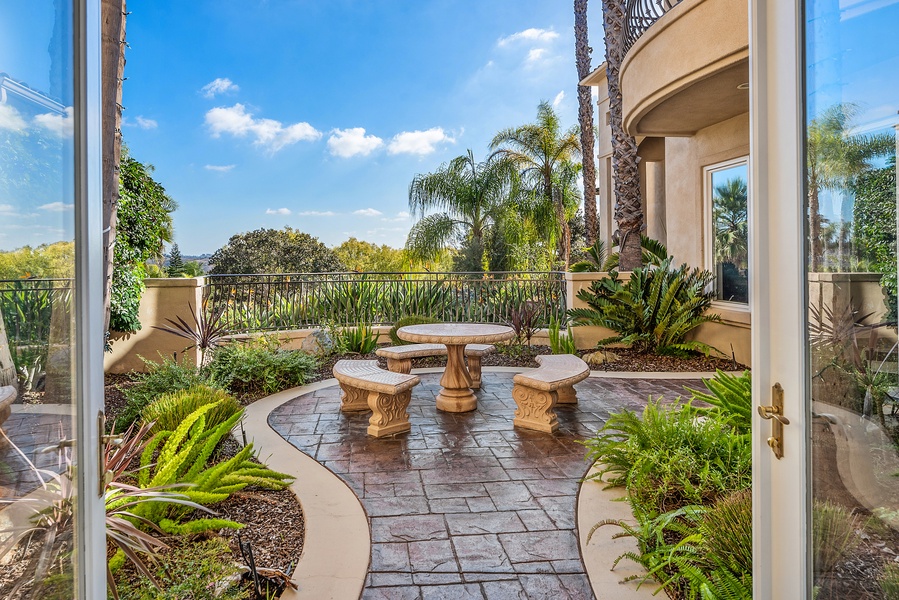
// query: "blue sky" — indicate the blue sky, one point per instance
point(317, 114)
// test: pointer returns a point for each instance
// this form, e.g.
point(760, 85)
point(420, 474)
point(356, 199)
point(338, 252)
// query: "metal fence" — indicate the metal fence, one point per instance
point(294, 301)
point(640, 15)
point(27, 306)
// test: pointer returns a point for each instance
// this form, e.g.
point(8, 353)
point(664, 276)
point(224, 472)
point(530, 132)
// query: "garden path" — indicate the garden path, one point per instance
point(465, 505)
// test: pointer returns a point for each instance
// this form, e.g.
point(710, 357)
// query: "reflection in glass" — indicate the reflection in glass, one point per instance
point(730, 238)
point(851, 114)
point(36, 299)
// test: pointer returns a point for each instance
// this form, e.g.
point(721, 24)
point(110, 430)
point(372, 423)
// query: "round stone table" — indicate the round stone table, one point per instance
point(456, 395)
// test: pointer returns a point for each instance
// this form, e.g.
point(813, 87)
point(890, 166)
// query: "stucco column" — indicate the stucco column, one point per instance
point(655, 201)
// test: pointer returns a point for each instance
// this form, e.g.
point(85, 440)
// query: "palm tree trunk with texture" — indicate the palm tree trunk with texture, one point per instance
point(582, 51)
point(628, 205)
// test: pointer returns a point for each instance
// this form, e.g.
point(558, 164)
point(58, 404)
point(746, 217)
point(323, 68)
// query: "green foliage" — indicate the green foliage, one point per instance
point(889, 581)
point(653, 311)
point(833, 534)
point(560, 343)
point(56, 261)
point(874, 216)
point(182, 458)
point(596, 259)
point(669, 458)
point(169, 410)
point(731, 395)
point(362, 256)
point(274, 251)
point(176, 263)
point(403, 322)
point(188, 571)
point(260, 367)
point(360, 339)
point(164, 377)
point(144, 223)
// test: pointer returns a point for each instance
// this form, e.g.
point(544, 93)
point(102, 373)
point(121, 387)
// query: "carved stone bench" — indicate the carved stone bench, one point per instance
point(7, 397)
point(537, 392)
point(368, 387)
point(399, 358)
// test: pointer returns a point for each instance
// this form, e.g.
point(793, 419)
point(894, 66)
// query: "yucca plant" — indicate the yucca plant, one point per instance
point(360, 339)
point(653, 311)
point(170, 410)
point(182, 459)
point(560, 343)
point(731, 395)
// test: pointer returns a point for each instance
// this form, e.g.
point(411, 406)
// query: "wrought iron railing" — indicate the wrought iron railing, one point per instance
point(28, 305)
point(640, 15)
point(277, 302)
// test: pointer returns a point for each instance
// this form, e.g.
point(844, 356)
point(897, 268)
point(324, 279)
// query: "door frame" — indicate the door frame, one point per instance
point(778, 289)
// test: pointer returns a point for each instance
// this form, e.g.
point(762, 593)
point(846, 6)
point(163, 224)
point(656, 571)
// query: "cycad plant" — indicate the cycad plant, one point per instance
point(651, 312)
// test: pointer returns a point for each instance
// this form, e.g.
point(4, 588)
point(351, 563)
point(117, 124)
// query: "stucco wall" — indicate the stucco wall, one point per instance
point(685, 159)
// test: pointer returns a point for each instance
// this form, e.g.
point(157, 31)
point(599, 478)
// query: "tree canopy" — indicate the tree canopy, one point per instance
point(274, 251)
point(359, 255)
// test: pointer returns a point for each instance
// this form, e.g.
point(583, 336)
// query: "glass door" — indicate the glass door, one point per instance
point(50, 504)
point(825, 109)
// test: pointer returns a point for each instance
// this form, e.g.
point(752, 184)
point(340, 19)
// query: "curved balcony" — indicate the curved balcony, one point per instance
point(687, 68)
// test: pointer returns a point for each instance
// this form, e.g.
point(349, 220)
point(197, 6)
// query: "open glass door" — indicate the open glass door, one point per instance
point(52, 543)
point(825, 110)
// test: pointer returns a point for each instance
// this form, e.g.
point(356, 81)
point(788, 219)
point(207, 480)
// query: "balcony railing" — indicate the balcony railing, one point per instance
point(27, 306)
point(640, 15)
point(278, 302)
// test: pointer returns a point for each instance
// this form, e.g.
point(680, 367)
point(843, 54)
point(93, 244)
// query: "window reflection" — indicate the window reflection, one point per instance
point(730, 232)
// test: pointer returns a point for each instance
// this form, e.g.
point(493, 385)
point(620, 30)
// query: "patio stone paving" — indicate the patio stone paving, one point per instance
point(465, 505)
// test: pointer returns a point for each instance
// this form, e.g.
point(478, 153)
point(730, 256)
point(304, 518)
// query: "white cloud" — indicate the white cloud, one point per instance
point(277, 211)
point(7, 209)
point(317, 213)
point(219, 85)
point(529, 35)
point(55, 207)
point(535, 55)
point(10, 119)
point(400, 216)
point(351, 142)
point(219, 168)
point(271, 134)
point(144, 123)
point(418, 142)
point(368, 212)
point(61, 125)
point(558, 99)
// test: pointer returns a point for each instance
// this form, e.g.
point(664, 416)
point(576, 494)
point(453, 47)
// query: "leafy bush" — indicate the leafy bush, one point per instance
point(161, 378)
point(669, 458)
point(182, 458)
point(191, 569)
point(169, 410)
point(731, 395)
point(653, 311)
point(559, 343)
point(405, 321)
point(260, 367)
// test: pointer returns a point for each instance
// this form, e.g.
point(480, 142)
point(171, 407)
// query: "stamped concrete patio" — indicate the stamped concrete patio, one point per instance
point(465, 505)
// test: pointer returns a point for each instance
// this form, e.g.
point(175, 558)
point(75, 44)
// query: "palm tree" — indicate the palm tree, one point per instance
point(470, 196)
point(582, 51)
point(540, 151)
point(731, 222)
point(835, 158)
point(628, 206)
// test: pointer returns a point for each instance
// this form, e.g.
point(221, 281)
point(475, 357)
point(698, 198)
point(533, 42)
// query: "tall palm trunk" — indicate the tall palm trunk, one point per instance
point(628, 208)
point(815, 247)
point(582, 51)
point(113, 69)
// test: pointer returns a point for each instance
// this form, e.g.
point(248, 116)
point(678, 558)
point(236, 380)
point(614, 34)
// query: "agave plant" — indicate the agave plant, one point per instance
point(653, 311)
point(51, 513)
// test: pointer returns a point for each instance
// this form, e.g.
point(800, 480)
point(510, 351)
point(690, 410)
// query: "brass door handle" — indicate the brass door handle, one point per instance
point(775, 414)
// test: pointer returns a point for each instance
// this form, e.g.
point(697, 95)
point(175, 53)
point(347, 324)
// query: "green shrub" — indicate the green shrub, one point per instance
point(833, 534)
point(161, 378)
point(405, 321)
point(731, 395)
point(361, 339)
point(669, 458)
point(559, 343)
point(190, 569)
point(260, 367)
point(169, 410)
point(889, 581)
point(182, 458)
point(653, 311)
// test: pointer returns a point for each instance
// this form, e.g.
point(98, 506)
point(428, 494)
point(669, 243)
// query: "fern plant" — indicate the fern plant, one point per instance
point(183, 456)
point(731, 395)
point(653, 311)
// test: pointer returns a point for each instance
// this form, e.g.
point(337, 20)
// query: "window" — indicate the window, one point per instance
point(727, 246)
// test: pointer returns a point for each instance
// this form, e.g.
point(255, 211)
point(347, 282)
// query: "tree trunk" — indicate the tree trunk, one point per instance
point(565, 241)
point(628, 206)
point(113, 69)
point(814, 216)
point(582, 51)
point(7, 367)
